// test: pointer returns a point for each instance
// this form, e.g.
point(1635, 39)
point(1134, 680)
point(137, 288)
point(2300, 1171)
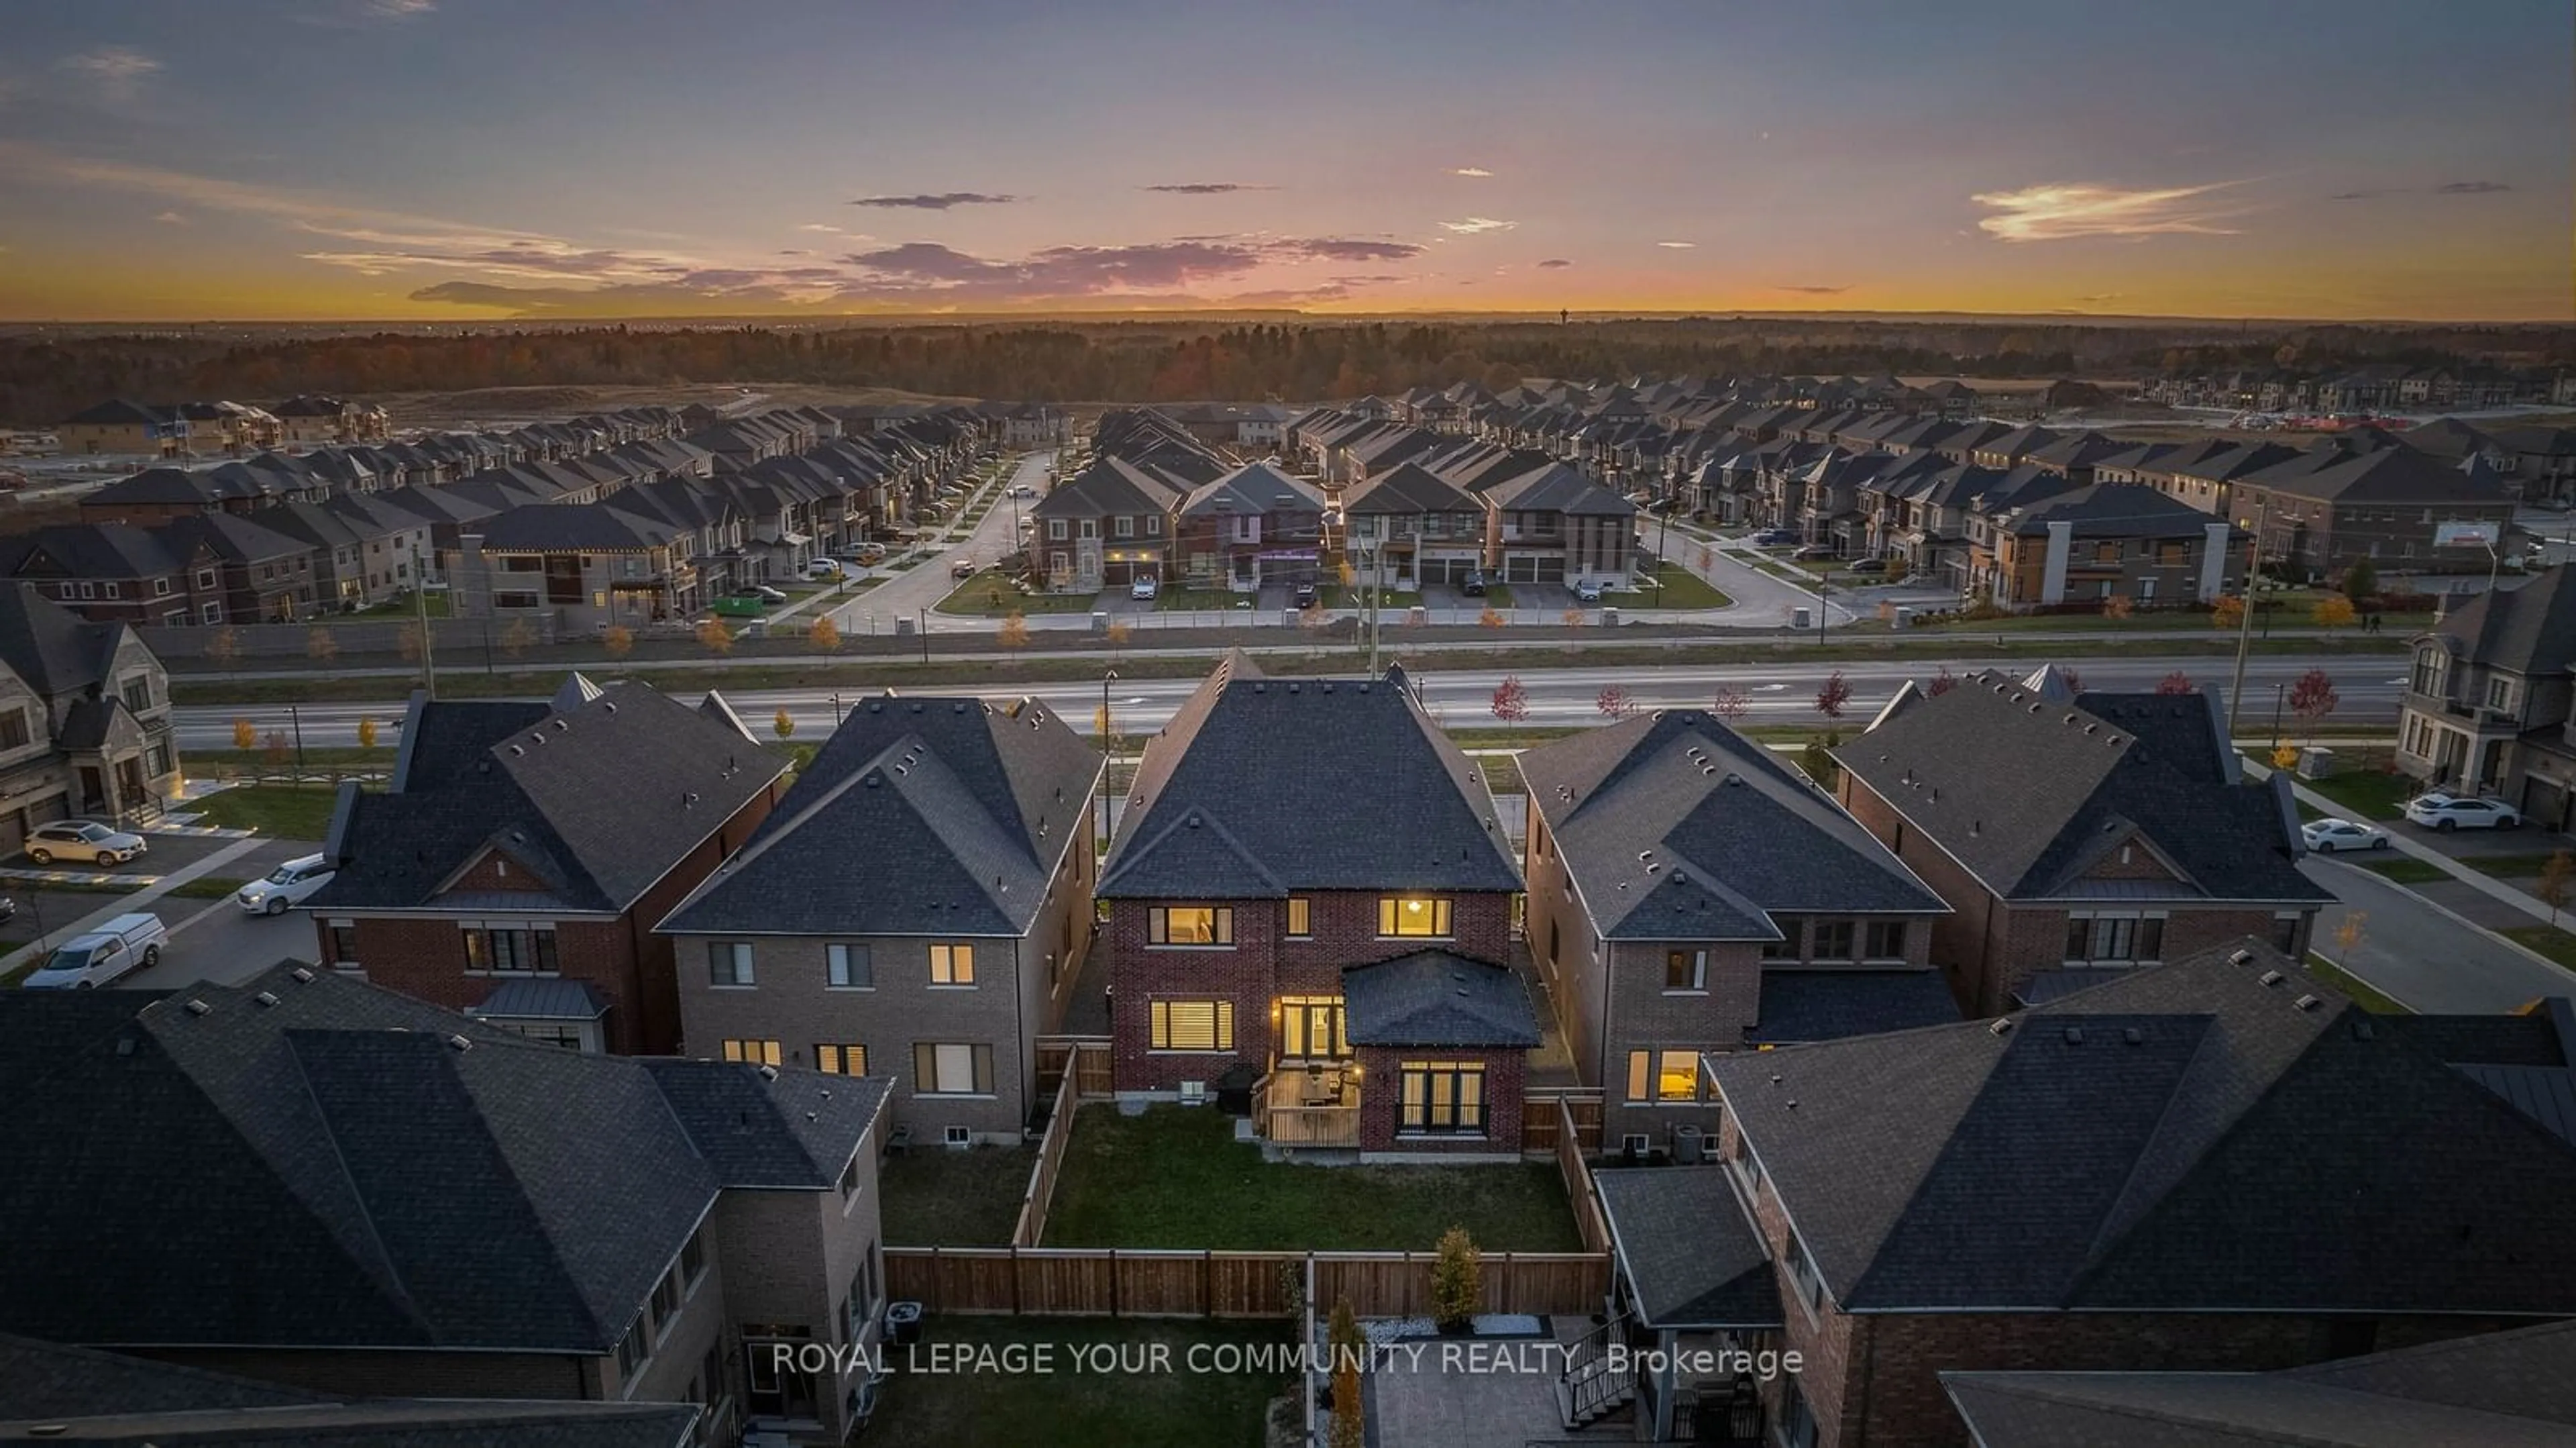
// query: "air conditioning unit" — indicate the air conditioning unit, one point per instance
point(1688, 1145)
point(1194, 1093)
point(960, 1136)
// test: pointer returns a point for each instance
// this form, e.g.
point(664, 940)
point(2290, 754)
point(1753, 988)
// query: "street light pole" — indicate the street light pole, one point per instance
point(925, 635)
point(2245, 623)
point(297, 720)
point(1107, 754)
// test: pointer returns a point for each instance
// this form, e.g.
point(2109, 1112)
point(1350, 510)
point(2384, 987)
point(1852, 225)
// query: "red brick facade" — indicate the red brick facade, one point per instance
point(1381, 1098)
point(1263, 964)
point(1989, 948)
point(423, 955)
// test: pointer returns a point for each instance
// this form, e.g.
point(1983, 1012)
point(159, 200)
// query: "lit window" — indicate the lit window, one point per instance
point(1301, 916)
point(1441, 1097)
point(1663, 1076)
point(1189, 925)
point(1311, 1027)
point(952, 965)
point(1193, 1025)
point(841, 1060)
point(1685, 970)
point(952, 1068)
point(758, 1053)
point(1412, 915)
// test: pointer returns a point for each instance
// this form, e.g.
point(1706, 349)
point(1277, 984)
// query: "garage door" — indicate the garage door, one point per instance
point(1551, 569)
point(15, 824)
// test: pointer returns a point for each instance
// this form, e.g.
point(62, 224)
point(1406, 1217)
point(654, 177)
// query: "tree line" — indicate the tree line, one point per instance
point(46, 379)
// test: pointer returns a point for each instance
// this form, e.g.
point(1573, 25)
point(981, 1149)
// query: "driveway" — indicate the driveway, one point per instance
point(2422, 955)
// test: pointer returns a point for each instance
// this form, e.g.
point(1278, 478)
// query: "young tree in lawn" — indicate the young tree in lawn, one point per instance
point(2119, 606)
point(1118, 633)
point(1490, 618)
point(1942, 683)
point(2227, 613)
point(783, 722)
point(1613, 702)
point(1730, 704)
point(407, 641)
point(714, 637)
point(1834, 695)
point(2556, 884)
point(2361, 581)
point(245, 736)
point(1817, 759)
point(2312, 698)
point(618, 639)
point(366, 734)
point(1511, 699)
point(224, 649)
point(1574, 618)
point(1014, 632)
point(2176, 682)
point(2334, 611)
point(825, 636)
point(277, 749)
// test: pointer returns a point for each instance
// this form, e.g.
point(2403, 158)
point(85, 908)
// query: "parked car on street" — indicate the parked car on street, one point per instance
point(2326, 836)
point(82, 840)
point(1870, 565)
point(2447, 812)
point(1023, 490)
point(869, 554)
point(287, 885)
point(825, 570)
point(1588, 591)
point(1144, 587)
point(100, 957)
point(1814, 552)
point(765, 593)
point(1775, 537)
point(962, 568)
point(1473, 585)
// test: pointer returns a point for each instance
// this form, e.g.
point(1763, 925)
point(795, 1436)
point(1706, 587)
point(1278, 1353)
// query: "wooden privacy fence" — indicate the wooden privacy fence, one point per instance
point(1579, 1192)
point(1119, 1282)
point(1031, 1228)
point(1542, 1121)
point(1085, 1058)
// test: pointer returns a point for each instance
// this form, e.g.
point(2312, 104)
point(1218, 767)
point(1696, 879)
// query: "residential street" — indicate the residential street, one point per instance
point(2423, 956)
point(908, 594)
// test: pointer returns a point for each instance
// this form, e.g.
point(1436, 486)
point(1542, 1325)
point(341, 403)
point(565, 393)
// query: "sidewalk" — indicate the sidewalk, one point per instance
point(140, 900)
point(2484, 884)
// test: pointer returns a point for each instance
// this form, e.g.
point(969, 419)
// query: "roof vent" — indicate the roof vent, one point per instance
point(2240, 956)
point(2075, 1035)
point(2134, 1036)
point(1326, 686)
point(1645, 854)
point(916, 708)
point(459, 1043)
point(2271, 977)
point(688, 799)
point(198, 1008)
point(2362, 1030)
point(875, 708)
point(1292, 688)
point(300, 976)
point(516, 751)
point(265, 998)
point(768, 1073)
point(2307, 1002)
point(2001, 1025)
point(810, 1116)
point(957, 708)
point(1363, 686)
point(2034, 708)
point(873, 779)
point(562, 724)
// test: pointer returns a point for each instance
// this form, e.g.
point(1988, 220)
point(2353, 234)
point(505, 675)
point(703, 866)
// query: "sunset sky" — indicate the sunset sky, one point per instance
point(465, 159)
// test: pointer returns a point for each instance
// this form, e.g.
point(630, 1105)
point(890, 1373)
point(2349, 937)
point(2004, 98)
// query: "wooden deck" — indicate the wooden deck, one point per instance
point(1290, 1118)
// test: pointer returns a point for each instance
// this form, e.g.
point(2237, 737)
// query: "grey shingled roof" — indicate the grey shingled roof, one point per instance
point(1437, 998)
point(1260, 786)
point(919, 816)
point(2530, 629)
point(2031, 795)
point(1805, 1003)
point(2183, 1137)
point(1690, 1255)
point(541, 1000)
point(54, 649)
point(2486, 1390)
point(1675, 827)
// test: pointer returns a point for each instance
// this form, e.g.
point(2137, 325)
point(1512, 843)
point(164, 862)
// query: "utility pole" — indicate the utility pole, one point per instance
point(420, 604)
point(2245, 624)
point(1108, 754)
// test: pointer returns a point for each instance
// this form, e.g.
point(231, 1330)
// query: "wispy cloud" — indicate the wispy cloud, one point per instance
point(2097, 297)
point(2067, 211)
point(1810, 289)
point(1338, 248)
point(115, 70)
point(173, 218)
point(1206, 188)
point(2447, 188)
point(1478, 171)
point(1554, 262)
point(1677, 245)
point(397, 9)
point(939, 201)
point(1477, 226)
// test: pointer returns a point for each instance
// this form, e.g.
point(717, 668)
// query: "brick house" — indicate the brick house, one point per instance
point(2358, 498)
point(1558, 526)
point(1690, 893)
point(2212, 1165)
point(1428, 529)
point(84, 719)
point(918, 906)
point(1253, 526)
point(2072, 833)
point(1294, 855)
point(326, 1185)
point(2107, 541)
point(2487, 708)
point(516, 864)
point(1104, 527)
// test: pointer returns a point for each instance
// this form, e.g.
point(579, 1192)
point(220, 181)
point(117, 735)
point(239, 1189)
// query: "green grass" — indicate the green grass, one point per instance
point(1069, 1407)
point(2368, 794)
point(1388, 602)
point(1176, 1177)
point(1682, 589)
point(2549, 940)
point(993, 594)
point(1497, 595)
point(2405, 870)
point(2506, 867)
point(398, 608)
point(2361, 991)
point(1203, 600)
point(286, 811)
point(935, 1196)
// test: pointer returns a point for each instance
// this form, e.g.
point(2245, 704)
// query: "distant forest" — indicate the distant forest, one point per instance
point(44, 380)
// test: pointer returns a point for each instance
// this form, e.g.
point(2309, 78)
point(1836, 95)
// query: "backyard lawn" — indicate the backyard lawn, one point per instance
point(287, 811)
point(1682, 589)
point(993, 594)
point(1176, 1177)
point(1074, 1404)
point(939, 1197)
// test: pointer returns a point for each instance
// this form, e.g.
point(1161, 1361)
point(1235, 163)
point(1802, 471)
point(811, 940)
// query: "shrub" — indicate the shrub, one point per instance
point(1457, 1281)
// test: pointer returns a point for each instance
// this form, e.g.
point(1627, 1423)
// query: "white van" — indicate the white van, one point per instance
point(100, 957)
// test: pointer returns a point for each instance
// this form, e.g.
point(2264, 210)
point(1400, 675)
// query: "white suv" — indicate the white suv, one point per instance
point(1144, 587)
point(82, 840)
point(289, 884)
point(2447, 812)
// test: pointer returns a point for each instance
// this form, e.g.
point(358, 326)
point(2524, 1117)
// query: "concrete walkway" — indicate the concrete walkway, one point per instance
point(2484, 884)
point(140, 900)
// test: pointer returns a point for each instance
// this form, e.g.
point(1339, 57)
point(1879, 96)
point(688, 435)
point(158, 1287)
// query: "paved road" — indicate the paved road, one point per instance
point(2422, 955)
point(1776, 693)
point(909, 593)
